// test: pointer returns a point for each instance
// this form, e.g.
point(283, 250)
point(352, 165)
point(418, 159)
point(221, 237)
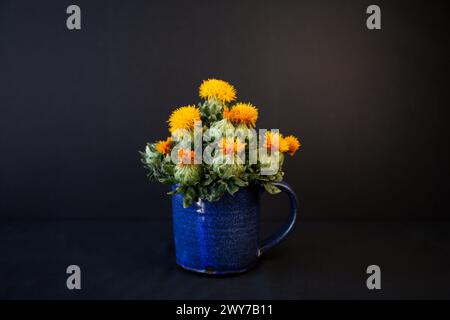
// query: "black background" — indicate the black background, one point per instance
point(370, 108)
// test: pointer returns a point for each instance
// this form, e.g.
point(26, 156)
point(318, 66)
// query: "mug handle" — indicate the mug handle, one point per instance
point(284, 231)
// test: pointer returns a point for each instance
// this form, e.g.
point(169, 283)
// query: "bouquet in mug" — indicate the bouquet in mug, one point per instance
point(214, 148)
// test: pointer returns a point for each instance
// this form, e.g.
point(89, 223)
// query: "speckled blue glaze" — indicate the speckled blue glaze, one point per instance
point(223, 237)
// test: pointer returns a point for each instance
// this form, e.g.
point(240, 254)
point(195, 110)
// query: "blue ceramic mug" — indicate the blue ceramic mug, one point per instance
point(223, 237)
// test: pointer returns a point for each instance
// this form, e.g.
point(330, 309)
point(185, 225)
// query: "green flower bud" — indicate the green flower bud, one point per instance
point(222, 126)
point(188, 174)
point(225, 167)
point(271, 164)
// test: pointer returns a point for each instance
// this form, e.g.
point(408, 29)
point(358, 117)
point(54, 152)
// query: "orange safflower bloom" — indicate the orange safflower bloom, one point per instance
point(164, 146)
point(270, 142)
point(242, 113)
point(186, 156)
point(227, 146)
point(293, 144)
point(184, 118)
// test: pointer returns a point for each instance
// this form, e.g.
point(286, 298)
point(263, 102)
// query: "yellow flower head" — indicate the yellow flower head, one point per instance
point(244, 113)
point(275, 141)
point(227, 146)
point(218, 89)
point(164, 146)
point(183, 118)
point(293, 144)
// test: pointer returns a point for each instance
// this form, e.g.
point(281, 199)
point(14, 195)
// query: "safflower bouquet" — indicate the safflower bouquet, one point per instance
point(214, 148)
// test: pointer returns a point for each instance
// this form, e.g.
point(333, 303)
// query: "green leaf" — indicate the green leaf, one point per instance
point(232, 188)
point(270, 188)
point(241, 183)
point(186, 201)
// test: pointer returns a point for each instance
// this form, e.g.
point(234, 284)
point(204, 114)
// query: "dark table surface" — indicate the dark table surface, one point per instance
point(319, 260)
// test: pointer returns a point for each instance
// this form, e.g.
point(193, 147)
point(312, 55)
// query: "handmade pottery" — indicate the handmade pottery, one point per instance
point(223, 237)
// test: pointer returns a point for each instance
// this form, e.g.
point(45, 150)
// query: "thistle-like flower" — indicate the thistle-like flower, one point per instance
point(276, 142)
point(186, 172)
point(217, 89)
point(164, 146)
point(227, 146)
point(183, 118)
point(242, 113)
point(292, 143)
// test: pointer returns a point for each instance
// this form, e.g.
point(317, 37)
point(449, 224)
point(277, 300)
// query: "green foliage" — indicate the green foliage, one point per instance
point(159, 167)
